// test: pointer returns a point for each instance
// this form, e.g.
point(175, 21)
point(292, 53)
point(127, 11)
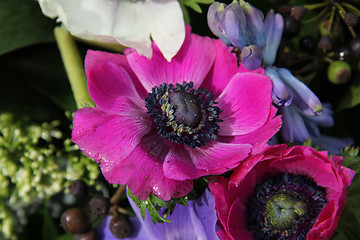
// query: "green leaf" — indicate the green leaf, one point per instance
point(38, 70)
point(21, 24)
point(351, 158)
point(194, 4)
point(49, 230)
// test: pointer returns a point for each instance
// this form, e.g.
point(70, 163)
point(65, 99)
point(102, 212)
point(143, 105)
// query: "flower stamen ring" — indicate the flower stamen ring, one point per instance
point(183, 114)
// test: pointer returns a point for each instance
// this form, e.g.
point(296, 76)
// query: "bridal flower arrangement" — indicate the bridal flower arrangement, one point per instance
point(180, 119)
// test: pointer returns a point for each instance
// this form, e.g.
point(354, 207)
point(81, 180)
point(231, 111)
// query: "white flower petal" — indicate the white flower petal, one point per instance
point(129, 22)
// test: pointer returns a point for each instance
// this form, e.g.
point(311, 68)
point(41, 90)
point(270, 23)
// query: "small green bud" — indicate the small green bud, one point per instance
point(339, 72)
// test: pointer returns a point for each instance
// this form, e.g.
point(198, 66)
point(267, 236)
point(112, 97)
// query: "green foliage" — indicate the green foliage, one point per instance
point(36, 163)
point(194, 4)
point(154, 204)
point(49, 230)
point(351, 158)
point(22, 24)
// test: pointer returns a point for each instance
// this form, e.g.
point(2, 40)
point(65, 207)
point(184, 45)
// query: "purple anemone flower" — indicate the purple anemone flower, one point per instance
point(160, 124)
point(195, 221)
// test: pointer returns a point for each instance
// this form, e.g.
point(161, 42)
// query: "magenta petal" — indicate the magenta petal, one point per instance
point(107, 137)
point(225, 67)
point(142, 171)
point(107, 82)
point(246, 103)
point(260, 136)
point(110, 80)
point(237, 221)
point(191, 63)
point(219, 157)
point(215, 158)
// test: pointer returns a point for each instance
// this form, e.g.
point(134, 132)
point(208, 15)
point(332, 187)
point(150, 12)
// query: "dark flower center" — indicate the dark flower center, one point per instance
point(183, 114)
point(285, 207)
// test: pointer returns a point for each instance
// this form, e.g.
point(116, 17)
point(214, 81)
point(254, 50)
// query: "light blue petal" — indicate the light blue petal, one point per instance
point(255, 24)
point(293, 128)
point(280, 93)
point(303, 97)
point(325, 119)
point(274, 26)
point(215, 18)
point(235, 25)
point(192, 222)
point(251, 57)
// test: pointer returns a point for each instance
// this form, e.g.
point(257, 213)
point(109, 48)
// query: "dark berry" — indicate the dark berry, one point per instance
point(99, 205)
point(78, 188)
point(308, 44)
point(291, 27)
point(351, 19)
point(120, 226)
point(355, 46)
point(74, 221)
point(89, 235)
point(339, 72)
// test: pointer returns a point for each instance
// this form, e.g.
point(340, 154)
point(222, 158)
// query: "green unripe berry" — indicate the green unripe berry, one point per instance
point(339, 72)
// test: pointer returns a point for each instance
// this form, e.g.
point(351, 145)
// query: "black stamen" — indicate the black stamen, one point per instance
point(183, 114)
point(285, 207)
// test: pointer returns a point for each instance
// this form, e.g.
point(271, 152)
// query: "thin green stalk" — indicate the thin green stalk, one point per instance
point(331, 20)
point(315, 6)
point(342, 12)
point(352, 9)
point(74, 67)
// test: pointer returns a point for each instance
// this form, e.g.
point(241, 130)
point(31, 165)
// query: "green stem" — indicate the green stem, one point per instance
point(342, 12)
point(324, 13)
point(352, 9)
point(331, 20)
point(314, 6)
point(74, 67)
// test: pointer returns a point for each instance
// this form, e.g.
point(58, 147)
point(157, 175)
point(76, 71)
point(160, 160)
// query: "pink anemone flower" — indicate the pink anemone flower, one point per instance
point(283, 193)
point(158, 125)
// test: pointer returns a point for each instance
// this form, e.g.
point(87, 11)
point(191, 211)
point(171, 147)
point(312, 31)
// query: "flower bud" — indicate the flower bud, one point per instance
point(235, 25)
point(228, 22)
point(280, 93)
point(274, 25)
point(251, 57)
point(303, 97)
point(254, 23)
point(339, 72)
point(215, 18)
